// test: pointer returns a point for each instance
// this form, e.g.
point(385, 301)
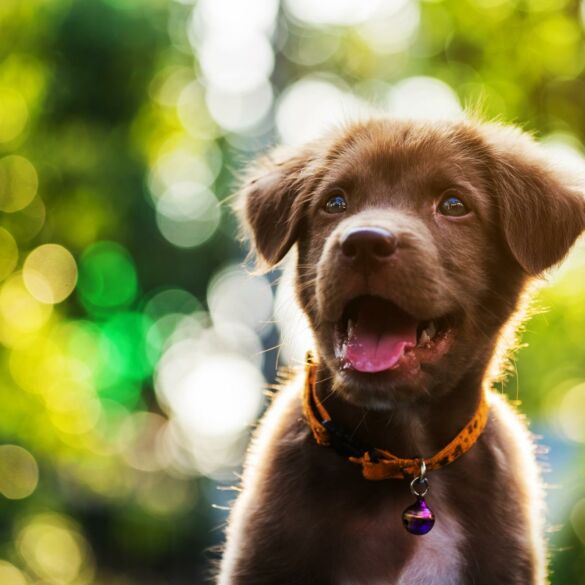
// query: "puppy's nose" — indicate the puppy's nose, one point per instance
point(367, 244)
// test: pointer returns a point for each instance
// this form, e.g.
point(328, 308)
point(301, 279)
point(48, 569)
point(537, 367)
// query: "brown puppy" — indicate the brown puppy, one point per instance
point(415, 243)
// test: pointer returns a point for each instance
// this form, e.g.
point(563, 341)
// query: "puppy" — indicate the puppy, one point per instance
point(416, 243)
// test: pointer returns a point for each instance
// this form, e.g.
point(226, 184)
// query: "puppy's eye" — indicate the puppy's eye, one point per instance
point(452, 206)
point(336, 204)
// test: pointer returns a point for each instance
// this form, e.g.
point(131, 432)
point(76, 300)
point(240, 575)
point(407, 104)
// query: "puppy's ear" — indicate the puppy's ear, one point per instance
point(542, 209)
point(270, 203)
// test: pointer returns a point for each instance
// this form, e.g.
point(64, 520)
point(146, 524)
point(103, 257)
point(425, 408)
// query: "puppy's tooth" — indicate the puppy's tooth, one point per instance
point(432, 329)
point(424, 338)
point(350, 327)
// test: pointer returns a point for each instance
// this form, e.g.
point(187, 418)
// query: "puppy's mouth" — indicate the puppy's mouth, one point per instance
point(375, 335)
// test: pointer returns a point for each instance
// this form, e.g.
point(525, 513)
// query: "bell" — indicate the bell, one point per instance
point(418, 518)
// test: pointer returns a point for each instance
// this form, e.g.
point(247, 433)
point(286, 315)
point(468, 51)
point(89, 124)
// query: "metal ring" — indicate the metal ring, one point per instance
point(423, 469)
point(419, 481)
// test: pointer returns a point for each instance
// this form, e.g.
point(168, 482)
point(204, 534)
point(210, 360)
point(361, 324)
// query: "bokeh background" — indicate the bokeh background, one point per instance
point(135, 348)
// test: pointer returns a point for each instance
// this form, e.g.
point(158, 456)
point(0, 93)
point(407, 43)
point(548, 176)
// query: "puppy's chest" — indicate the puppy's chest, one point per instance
point(383, 553)
point(436, 559)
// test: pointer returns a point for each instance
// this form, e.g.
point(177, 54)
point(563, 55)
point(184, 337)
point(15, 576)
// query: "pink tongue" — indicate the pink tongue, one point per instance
point(379, 336)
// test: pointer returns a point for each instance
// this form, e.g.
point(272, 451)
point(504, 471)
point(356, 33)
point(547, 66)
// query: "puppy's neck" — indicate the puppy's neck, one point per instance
point(407, 429)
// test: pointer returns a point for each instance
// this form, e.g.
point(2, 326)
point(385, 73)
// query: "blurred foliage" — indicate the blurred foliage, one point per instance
point(126, 325)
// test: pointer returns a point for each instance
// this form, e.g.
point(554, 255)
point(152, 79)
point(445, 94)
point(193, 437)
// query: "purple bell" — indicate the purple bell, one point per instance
point(418, 518)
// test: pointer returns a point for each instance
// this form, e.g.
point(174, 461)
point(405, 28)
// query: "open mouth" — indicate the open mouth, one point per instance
point(375, 335)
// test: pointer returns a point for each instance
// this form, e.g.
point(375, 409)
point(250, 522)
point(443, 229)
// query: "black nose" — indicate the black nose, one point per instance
point(368, 244)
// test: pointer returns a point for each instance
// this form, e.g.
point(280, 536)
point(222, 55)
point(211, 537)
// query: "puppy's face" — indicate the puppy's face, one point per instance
point(395, 259)
point(414, 242)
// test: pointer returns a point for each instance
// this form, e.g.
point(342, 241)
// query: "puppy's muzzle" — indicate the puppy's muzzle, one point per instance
point(368, 248)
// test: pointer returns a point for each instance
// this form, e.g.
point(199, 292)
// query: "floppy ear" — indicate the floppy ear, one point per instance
point(542, 209)
point(270, 203)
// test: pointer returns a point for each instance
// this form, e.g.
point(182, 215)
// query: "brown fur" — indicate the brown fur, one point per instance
point(305, 514)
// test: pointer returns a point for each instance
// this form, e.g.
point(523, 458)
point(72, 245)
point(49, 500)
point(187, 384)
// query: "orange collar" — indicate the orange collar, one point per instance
point(377, 463)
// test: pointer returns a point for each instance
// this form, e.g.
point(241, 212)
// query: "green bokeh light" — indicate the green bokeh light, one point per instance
point(107, 278)
point(124, 392)
point(126, 334)
point(127, 363)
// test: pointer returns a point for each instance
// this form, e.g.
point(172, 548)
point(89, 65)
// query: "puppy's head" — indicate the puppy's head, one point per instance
point(414, 243)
